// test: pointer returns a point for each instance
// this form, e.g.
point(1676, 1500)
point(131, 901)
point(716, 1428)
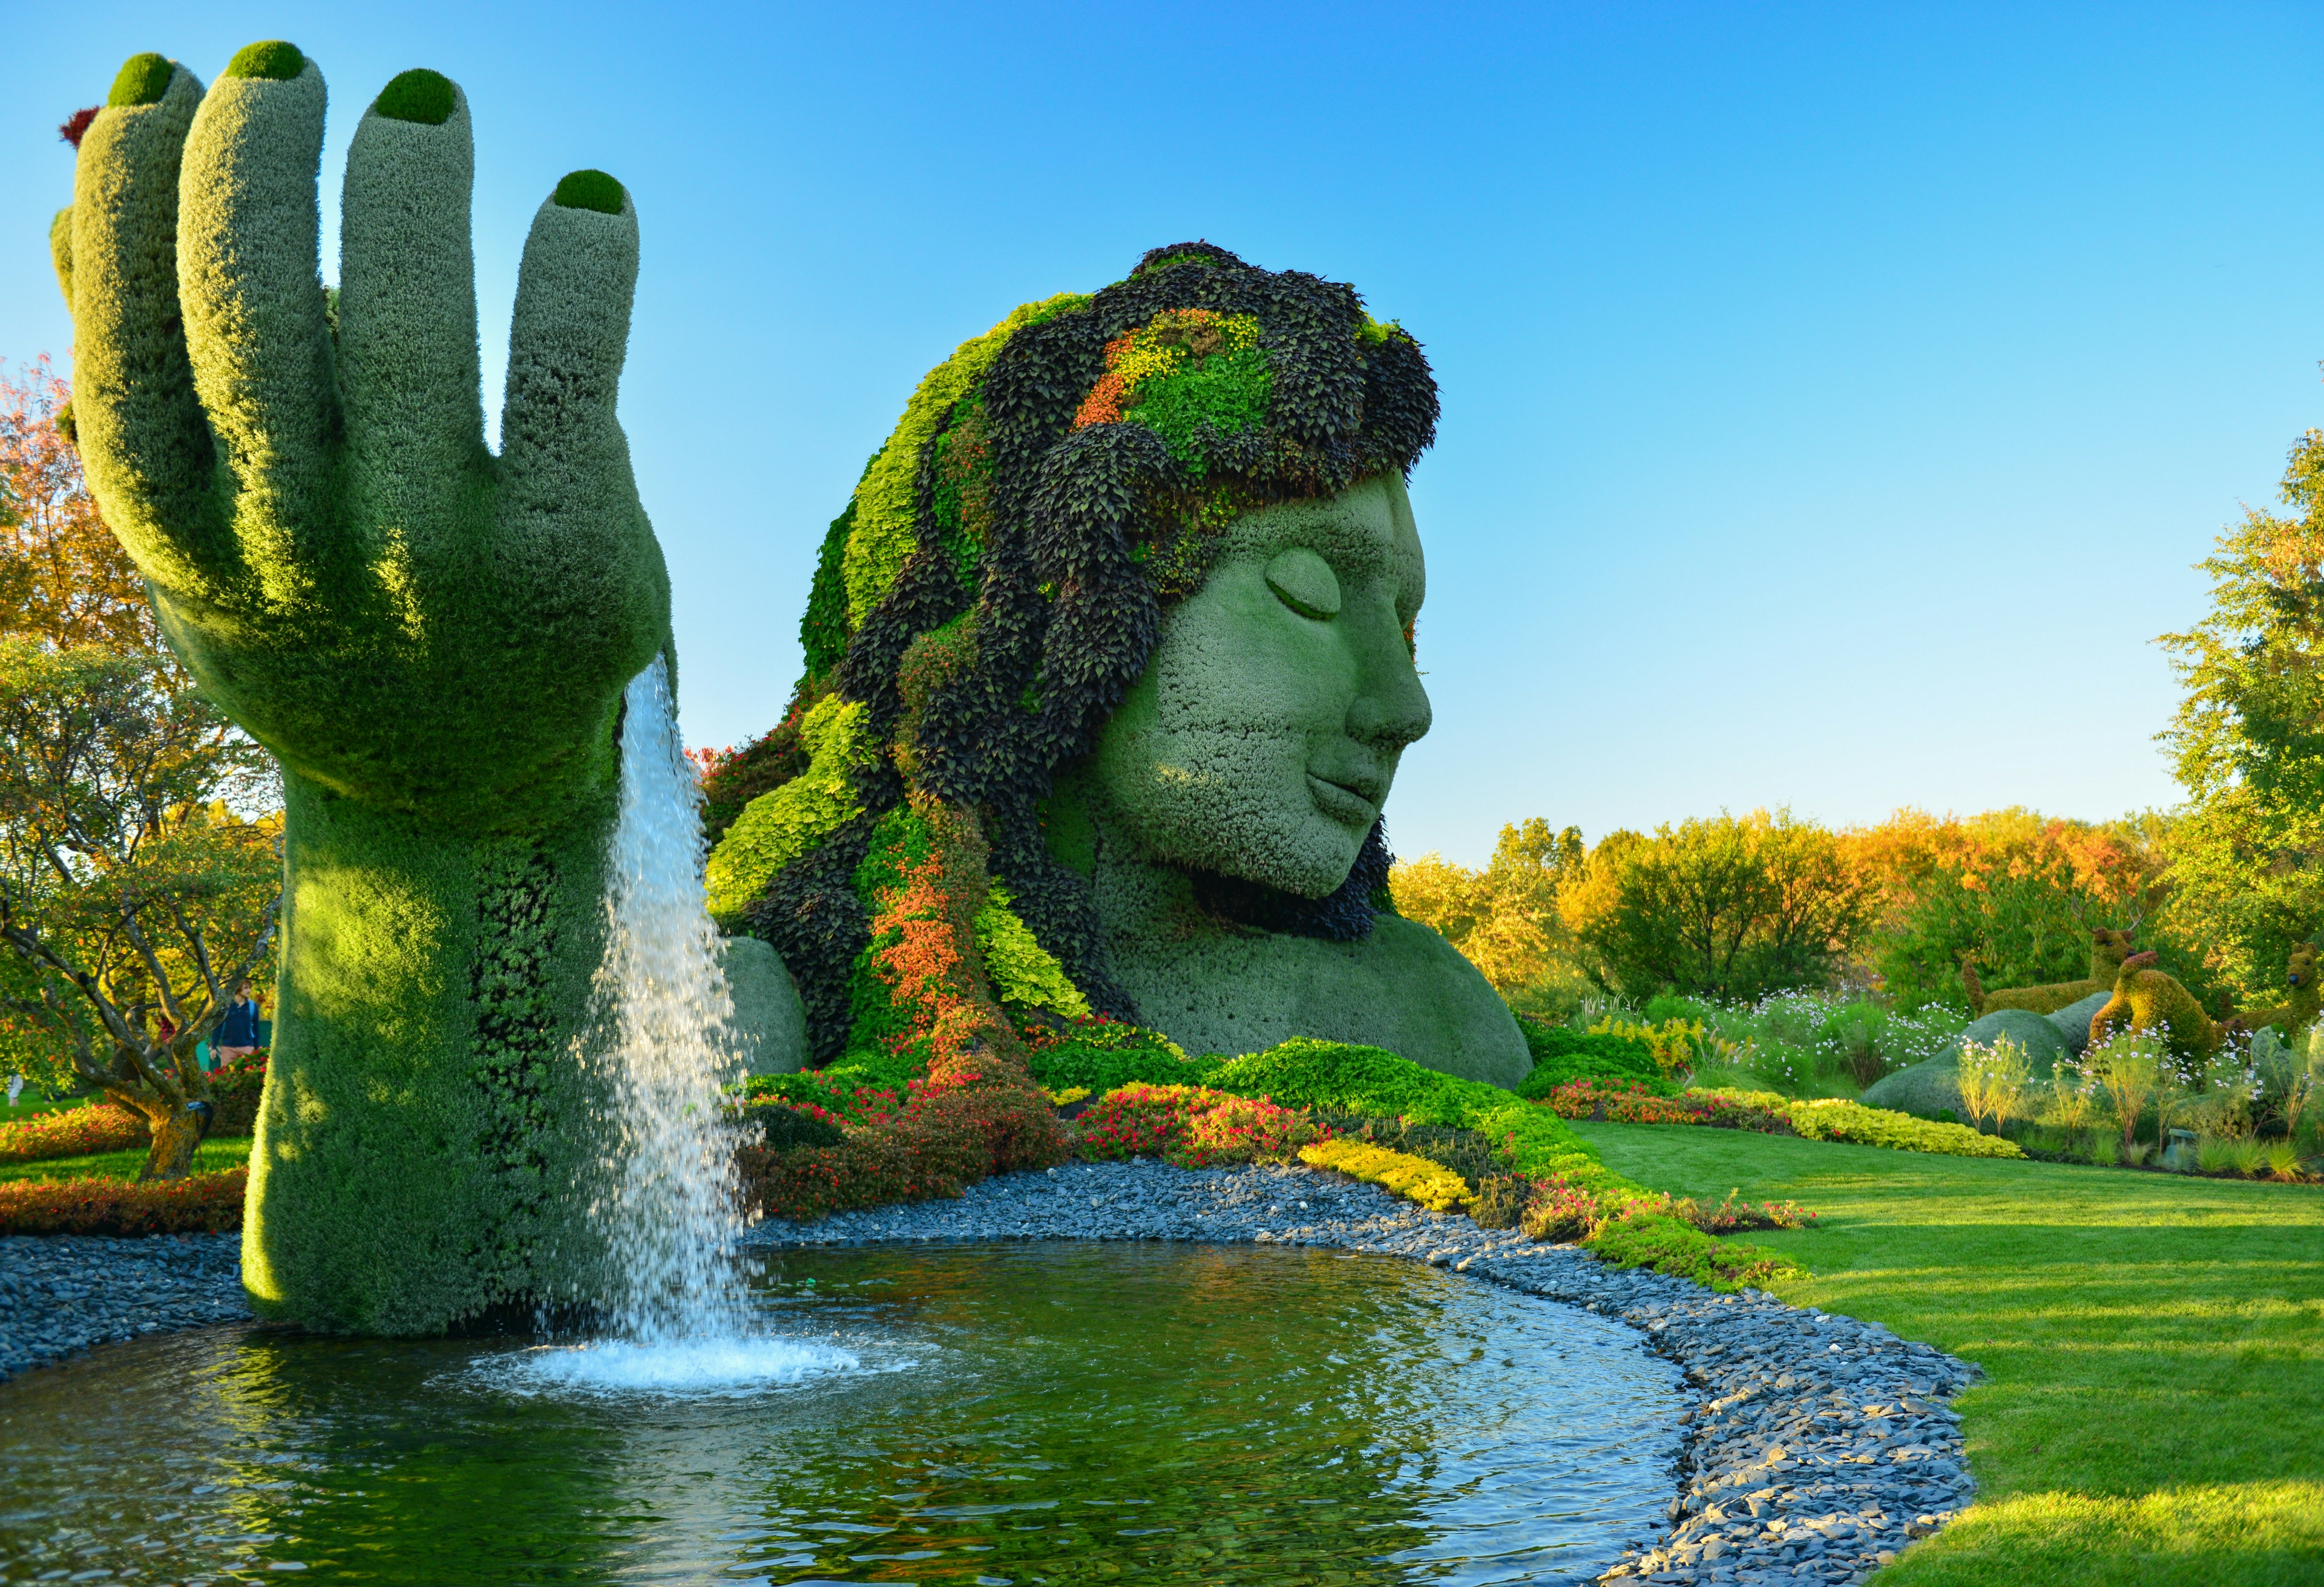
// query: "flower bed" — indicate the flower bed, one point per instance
point(1442, 1141)
point(198, 1204)
point(76, 1131)
point(1817, 1119)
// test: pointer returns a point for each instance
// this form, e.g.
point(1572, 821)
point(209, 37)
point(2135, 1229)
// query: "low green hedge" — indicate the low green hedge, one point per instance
point(1831, 1118)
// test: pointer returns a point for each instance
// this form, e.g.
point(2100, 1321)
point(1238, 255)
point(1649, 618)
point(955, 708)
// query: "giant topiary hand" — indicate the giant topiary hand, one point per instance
point(433, 640)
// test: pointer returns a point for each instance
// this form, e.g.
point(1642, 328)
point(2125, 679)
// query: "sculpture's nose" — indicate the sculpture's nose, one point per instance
point(1390, 708)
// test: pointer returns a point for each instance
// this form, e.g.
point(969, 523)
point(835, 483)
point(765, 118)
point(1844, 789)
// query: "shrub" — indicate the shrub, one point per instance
point(1101, 1055)
point(1415, 1178)
point(1640, 1237)
point(198, 1204)
point(933, 1146)
point(1191, 1126)
point(75, 1131)
point(2129, 1065)
point(1831, 1118)
point(782, 1127)
point(1561, 1055)
point(1633, 1104)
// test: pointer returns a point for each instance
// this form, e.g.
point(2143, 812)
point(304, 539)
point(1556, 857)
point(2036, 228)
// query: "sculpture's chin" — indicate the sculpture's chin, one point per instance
point(1342, 913)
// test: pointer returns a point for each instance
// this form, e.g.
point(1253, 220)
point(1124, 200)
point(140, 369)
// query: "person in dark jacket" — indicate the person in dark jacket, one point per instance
point(237, 1033)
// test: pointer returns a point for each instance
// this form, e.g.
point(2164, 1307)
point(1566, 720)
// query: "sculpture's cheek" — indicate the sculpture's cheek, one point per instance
point(1206, 761)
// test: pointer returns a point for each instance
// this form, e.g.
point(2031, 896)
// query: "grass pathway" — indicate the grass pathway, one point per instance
point(210, 1157)
point(2154, 1411)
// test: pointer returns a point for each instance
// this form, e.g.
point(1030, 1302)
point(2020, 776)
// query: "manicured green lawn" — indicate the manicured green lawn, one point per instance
point(2154, 1411)
point(210, 1157)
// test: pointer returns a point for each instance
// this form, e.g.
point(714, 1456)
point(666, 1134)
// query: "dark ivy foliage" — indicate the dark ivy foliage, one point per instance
point(1062, 547)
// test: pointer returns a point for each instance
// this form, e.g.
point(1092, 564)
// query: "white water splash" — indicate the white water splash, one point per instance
point(687, 1369)
point(663, 1036)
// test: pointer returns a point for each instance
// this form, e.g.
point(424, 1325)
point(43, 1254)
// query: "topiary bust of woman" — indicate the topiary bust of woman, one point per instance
point(1109, 669)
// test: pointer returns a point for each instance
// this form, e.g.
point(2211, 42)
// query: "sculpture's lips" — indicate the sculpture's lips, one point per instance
point(1342, 801)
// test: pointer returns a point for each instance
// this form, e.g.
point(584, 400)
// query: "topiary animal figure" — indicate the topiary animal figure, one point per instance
point(433, 641)
point(2109, 949)
point(1109, 669)
point(2145, 999)
point(2300, 1010)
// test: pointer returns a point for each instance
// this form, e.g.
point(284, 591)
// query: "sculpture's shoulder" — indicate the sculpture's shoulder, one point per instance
point(1402, 988)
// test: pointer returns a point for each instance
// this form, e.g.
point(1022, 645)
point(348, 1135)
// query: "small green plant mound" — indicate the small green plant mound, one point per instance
point(421, 95)
point(269, 58)
point(198, 1204)
point(589, 189)
point(1563, 1055)
point(142, 80)
point(1101, 1055)
point(1643, 1238)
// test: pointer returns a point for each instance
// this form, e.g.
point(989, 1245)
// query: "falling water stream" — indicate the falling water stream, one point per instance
point(661, 1034)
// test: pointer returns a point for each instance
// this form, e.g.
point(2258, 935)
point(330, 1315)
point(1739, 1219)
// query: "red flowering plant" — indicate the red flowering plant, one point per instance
point(73, 1132)
point(1633, 1103)
point(1193, 1126)
point(198, 1203)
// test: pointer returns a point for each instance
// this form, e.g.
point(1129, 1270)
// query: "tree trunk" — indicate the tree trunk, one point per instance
point(176, 1130)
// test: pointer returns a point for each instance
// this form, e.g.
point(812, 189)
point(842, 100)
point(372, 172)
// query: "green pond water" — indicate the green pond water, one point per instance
point(1052, 1412)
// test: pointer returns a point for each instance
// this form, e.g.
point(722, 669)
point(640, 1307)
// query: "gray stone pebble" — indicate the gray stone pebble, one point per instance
point(1816, 1448)
point(60, 1294)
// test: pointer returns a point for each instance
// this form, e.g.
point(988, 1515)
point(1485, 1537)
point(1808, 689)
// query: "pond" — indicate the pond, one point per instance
point(987, 1414)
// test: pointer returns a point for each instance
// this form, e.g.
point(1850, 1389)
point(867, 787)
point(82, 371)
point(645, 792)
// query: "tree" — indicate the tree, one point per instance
point(2247, 740)
point(2020, 890)
point(133, 897)
point(1725, 907)
point(1504, 919)
point(64, 579)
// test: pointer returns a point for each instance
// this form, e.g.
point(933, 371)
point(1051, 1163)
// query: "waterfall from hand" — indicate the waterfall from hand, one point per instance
point(662, 1035)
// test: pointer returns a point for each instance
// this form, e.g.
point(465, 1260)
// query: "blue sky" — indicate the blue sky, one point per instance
point(1835, 399)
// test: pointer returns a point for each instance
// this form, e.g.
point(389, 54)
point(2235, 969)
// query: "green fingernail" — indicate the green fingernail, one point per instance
point(590, 190)
point(143, 80)
point(418, 95)
point(269, 58)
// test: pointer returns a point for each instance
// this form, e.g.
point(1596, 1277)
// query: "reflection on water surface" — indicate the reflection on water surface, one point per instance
point(1024, 1414)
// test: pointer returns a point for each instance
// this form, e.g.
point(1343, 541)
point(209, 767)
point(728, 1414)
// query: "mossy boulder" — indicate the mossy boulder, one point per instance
point(2073, 1021)
point(1934, 1085)
point(769, 1020)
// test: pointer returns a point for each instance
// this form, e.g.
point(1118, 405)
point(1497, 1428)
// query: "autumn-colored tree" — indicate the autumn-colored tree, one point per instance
point(2248, 740)
point(64, 579)
point(2019, 890)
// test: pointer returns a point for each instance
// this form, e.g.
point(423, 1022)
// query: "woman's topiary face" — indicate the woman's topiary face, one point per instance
point(1261, 739)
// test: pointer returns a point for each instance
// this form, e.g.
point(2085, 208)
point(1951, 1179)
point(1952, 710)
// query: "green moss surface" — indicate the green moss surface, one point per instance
point(590, 190)
point(423, 96)
point(269, 58)
point(433, 643)
point(142, 80)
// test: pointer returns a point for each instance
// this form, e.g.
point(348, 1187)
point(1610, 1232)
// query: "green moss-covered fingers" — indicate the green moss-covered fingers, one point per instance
point(143, 436)
point(572, 515)
point(408, 361)
point(433, 642)
point(248, 284)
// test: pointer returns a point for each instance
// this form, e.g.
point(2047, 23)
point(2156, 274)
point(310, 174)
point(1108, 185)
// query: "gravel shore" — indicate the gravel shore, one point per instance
point(60, 1294)
point(1817, 1447)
